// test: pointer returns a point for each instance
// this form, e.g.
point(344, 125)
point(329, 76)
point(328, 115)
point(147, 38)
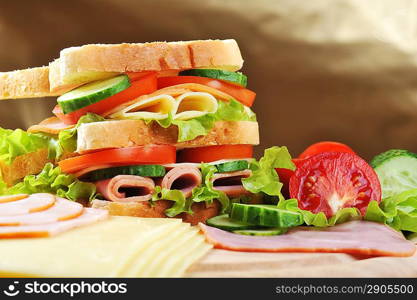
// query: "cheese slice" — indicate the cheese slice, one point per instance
point(195, 104)
point(103, 249)
point(154, 108)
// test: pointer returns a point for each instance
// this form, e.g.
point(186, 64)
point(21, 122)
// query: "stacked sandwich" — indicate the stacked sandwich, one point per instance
point(161, 129)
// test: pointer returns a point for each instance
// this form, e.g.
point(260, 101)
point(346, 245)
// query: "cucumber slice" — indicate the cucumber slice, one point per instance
point(139, 170)
point(262, 232)
point(225, 223)
point(232, 77)
point(232, 166)
point(92, 92)
point(265, 215)
point(397, 171)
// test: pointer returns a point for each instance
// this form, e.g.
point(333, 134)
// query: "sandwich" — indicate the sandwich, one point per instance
point(161, 129)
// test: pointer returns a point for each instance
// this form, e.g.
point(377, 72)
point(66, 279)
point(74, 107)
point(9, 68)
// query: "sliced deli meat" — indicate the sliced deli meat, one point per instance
point(52, 125)
point(126, 188)
point(33, 203)
point(10, 198)
point(63, 209)
point(89, 215)
point(357, 237)
point(183, 177)
point(231, 182)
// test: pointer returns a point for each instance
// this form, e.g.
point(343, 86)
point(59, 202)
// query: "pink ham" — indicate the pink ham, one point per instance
point(89, 215)
point(126, 188)
point(63, 209)
point(182, 177)
point(33, 203)
point(10, 198)
point(357, 237)
point(231, 182)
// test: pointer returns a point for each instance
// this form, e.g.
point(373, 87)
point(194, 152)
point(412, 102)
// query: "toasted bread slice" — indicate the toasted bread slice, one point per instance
point(28, 83)
point(202, 211)
point(31, 163)
point(128, 133)
point(78, 65)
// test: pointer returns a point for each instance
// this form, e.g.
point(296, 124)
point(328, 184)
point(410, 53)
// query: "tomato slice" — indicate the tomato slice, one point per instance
point(285, 176)
point(241, 94)
point(326, 146)
point(329, 181)
point(141, 84)
point(214, 153)
point(150, 154)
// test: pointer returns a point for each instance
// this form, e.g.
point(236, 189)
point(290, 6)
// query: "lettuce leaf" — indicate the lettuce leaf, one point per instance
point(190, 129)
point(264, 178)
point(399, 211)
point(18, 142)
point(52, 180)
point(67, 139)
point(180, 203)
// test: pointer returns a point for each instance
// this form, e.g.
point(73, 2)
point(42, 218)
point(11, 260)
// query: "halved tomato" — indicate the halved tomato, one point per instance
point(141, 84)
point(214, 153)
point(285, 176)
point(150, 154)
point(326, 146)
point(329, 181)
point(241, 94)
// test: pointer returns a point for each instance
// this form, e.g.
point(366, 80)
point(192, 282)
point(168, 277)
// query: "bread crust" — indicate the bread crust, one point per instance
point(201, 211)
point(28, 83)
point(31, 163)
point(78, 65)
point(128, 133)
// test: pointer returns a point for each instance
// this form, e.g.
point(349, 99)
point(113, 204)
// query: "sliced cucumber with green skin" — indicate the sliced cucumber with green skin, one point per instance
point(396, 170)
point(265, 215)
point(92, 92)
point(225, 223)
point(233, 77)
point(232, 166)
point(139, 170)
point(262, 232)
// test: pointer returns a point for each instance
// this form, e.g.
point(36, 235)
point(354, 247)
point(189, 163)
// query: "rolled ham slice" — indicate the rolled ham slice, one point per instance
point(357, 237)
point(89, 215)
point(33, 203)
point(10, 198)
point(183, 177)
point(51, 125)
point(63, 209)
point(126, 188)
point(231, 182)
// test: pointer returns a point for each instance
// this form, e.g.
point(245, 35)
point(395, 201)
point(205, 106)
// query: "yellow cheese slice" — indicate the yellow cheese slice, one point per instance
point(155, 108)
point(146, 260)
point(97, 250)
point(195, 104)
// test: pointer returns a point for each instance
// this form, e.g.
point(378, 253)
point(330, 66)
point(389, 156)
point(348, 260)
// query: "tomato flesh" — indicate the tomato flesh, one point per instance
point(150, 154)
point(325, 147)
point(329, 181)
point(141, 84)
point(241, 94)
point(214, 153)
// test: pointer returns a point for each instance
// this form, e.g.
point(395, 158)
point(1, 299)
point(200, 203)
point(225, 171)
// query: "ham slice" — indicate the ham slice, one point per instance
point(231, 182)
point(51, 125)
point(89, 215)
point(10, 198)
point(357, 237)
point(126, 188)
point(33, 203)
point(63, 209)
point(183, 177)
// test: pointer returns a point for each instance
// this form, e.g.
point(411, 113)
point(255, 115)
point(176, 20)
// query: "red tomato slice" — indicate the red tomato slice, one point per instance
point(325, 147)
point(329, 181)
point(241, 94)
point(151, 154)
point(214, 153)
point(142, 84)
point(285, 176)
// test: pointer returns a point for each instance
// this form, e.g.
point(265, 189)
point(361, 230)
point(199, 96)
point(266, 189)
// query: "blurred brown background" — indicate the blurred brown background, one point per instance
point(342, 70)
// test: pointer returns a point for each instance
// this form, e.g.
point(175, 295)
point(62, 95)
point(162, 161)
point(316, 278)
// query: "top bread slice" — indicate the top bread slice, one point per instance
point(79, 65)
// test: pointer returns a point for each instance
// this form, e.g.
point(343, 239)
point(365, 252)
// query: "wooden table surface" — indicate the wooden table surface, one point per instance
point(223, 263)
